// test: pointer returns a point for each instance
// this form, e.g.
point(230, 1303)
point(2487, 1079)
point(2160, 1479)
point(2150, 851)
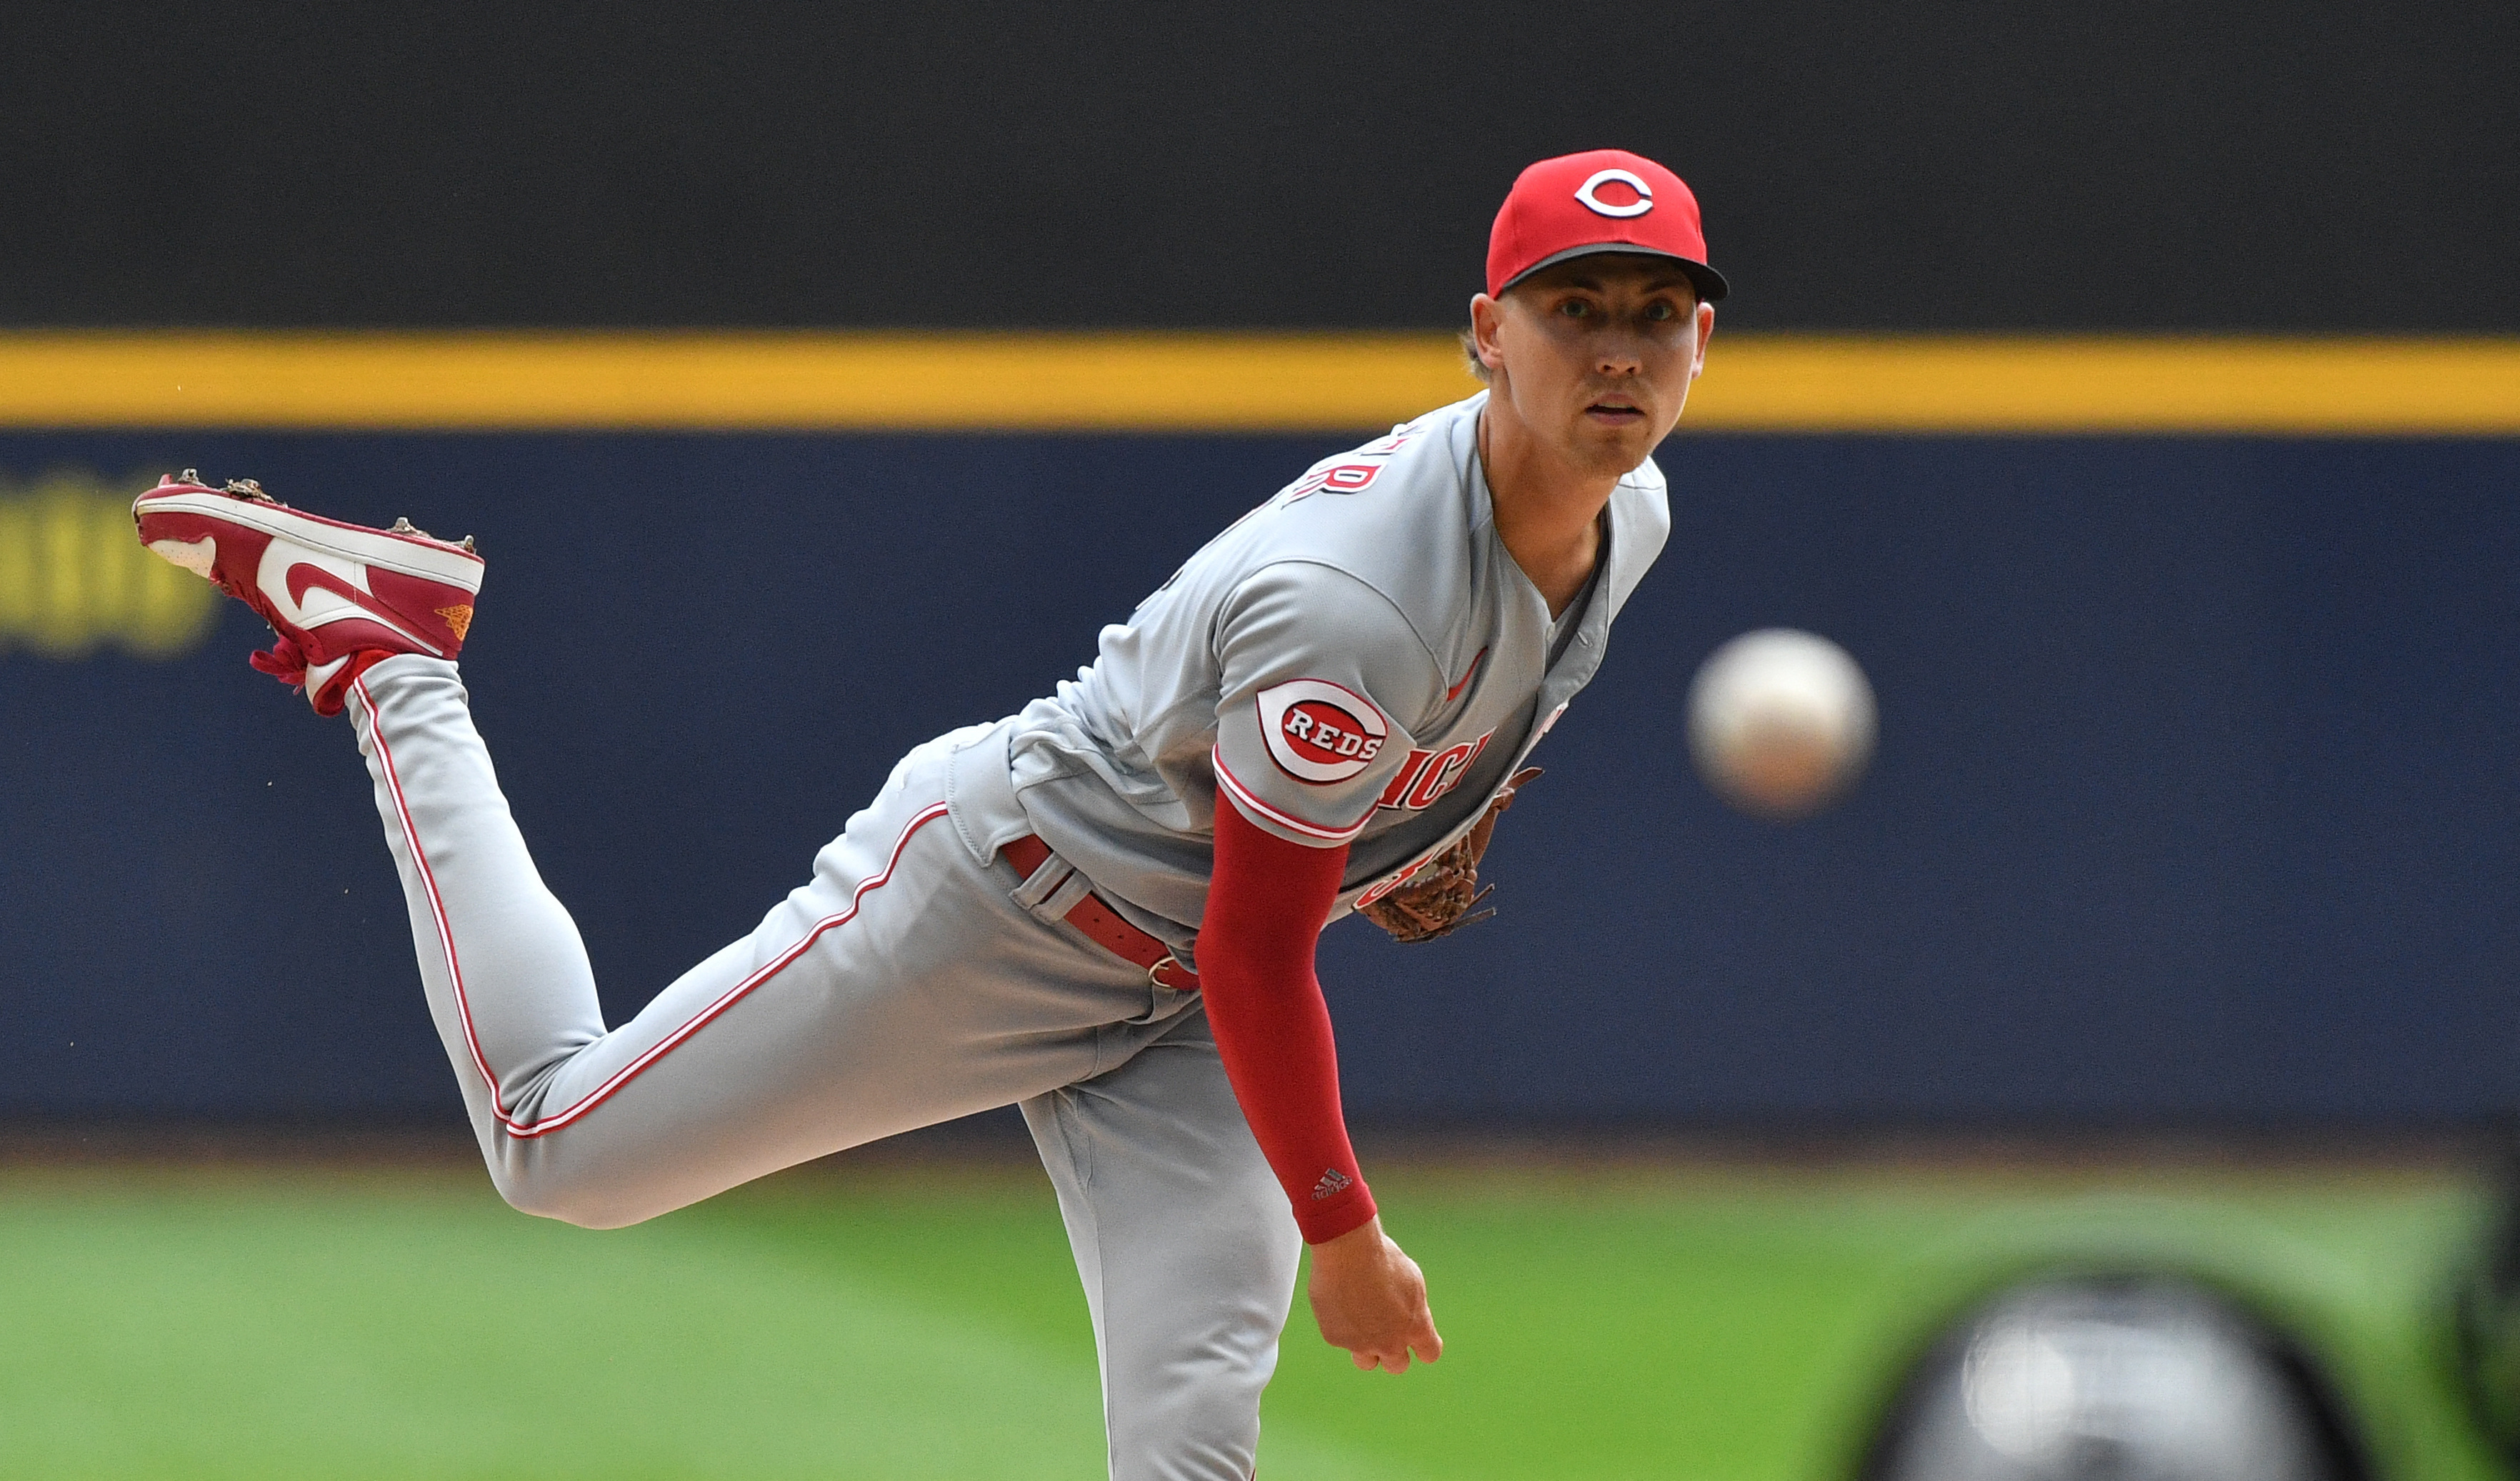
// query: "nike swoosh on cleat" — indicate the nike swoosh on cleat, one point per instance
point(304, 577)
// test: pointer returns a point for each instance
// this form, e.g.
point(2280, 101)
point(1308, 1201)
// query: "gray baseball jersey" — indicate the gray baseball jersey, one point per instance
point(1359, 660)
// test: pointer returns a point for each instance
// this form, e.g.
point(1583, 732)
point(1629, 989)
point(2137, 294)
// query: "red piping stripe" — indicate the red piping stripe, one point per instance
point(1252, 803)
point(656, 1052)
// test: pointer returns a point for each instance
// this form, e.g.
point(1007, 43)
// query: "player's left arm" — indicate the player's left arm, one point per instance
point(1266, 905)
point(1267, 902)
point(1317, 671)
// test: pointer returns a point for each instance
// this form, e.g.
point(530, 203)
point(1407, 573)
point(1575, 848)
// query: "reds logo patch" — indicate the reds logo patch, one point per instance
point(1319, 732)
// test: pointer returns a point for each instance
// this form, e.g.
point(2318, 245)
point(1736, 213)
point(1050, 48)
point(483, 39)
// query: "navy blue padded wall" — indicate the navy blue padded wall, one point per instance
point(2194, 798)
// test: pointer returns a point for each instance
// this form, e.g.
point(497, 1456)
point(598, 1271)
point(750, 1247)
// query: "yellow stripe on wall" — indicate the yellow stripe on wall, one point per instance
point(2340, 386)
point(1223, 383)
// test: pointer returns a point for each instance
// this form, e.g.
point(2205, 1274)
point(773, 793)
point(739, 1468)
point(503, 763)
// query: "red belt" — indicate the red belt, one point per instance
point(1103, 926)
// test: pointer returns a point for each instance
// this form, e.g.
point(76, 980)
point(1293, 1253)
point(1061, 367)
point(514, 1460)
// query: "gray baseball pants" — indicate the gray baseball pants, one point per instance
point(915, 978)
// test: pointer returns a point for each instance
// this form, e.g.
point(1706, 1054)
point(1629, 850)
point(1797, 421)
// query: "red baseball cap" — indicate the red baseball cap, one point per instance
point(1600, 201)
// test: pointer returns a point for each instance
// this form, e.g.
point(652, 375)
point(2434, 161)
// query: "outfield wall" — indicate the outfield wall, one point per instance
point(2194, 798)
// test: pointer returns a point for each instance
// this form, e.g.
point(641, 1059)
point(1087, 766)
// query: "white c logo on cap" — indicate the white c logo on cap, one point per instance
point(1644, 194)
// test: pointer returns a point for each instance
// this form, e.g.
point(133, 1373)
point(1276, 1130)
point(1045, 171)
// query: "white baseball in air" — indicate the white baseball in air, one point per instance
point(1781, 722)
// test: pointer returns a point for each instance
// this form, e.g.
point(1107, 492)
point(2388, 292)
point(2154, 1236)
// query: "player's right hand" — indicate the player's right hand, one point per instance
point(1371, 1299)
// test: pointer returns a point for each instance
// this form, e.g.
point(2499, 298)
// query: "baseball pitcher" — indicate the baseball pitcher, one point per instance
point(1103, 909)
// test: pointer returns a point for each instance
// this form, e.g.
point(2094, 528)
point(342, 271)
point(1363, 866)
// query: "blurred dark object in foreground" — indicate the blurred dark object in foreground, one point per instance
point(2487, 1319)
point(2135, 1378)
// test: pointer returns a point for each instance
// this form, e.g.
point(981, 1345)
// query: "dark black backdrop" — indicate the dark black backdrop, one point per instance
point(2201, 166)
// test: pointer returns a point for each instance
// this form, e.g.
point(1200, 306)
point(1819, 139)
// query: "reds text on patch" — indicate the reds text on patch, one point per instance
point(1320, 731)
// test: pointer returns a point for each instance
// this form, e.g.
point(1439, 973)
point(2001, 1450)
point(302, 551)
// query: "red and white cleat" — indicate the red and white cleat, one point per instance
point(340, 597)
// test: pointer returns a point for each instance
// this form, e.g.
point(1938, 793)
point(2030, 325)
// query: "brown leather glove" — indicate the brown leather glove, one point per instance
point(1441, 896)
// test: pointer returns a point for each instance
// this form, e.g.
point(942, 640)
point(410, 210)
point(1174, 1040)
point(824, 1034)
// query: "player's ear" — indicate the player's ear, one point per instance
point(1705, 332)
point(1486, 314)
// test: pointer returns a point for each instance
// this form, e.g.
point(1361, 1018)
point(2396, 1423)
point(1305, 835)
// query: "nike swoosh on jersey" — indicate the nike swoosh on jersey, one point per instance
point(1455, 692)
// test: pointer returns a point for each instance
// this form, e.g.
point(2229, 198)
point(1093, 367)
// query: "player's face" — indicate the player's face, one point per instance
point(1594, 356)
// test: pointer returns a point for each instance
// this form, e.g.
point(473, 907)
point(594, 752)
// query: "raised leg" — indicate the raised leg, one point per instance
point(897, 988)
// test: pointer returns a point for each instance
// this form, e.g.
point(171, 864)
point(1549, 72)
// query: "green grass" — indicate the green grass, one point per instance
point(1710, 1327)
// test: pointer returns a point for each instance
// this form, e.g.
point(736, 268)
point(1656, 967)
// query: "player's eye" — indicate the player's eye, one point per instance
point(1574, 308)
point(1660, 311)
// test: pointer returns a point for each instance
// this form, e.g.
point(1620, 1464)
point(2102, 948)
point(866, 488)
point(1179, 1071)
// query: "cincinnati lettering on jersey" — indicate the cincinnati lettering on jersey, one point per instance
point(1319, 732)
point(1426, 776)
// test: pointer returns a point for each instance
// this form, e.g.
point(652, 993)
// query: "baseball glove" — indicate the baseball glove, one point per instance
point(1443, 895)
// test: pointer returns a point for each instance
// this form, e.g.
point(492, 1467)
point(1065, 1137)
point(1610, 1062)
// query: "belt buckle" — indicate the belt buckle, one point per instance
point(1156, 973)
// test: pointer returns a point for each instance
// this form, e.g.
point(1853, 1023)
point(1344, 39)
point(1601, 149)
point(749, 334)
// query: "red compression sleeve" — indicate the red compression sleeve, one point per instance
point(1265, 909)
